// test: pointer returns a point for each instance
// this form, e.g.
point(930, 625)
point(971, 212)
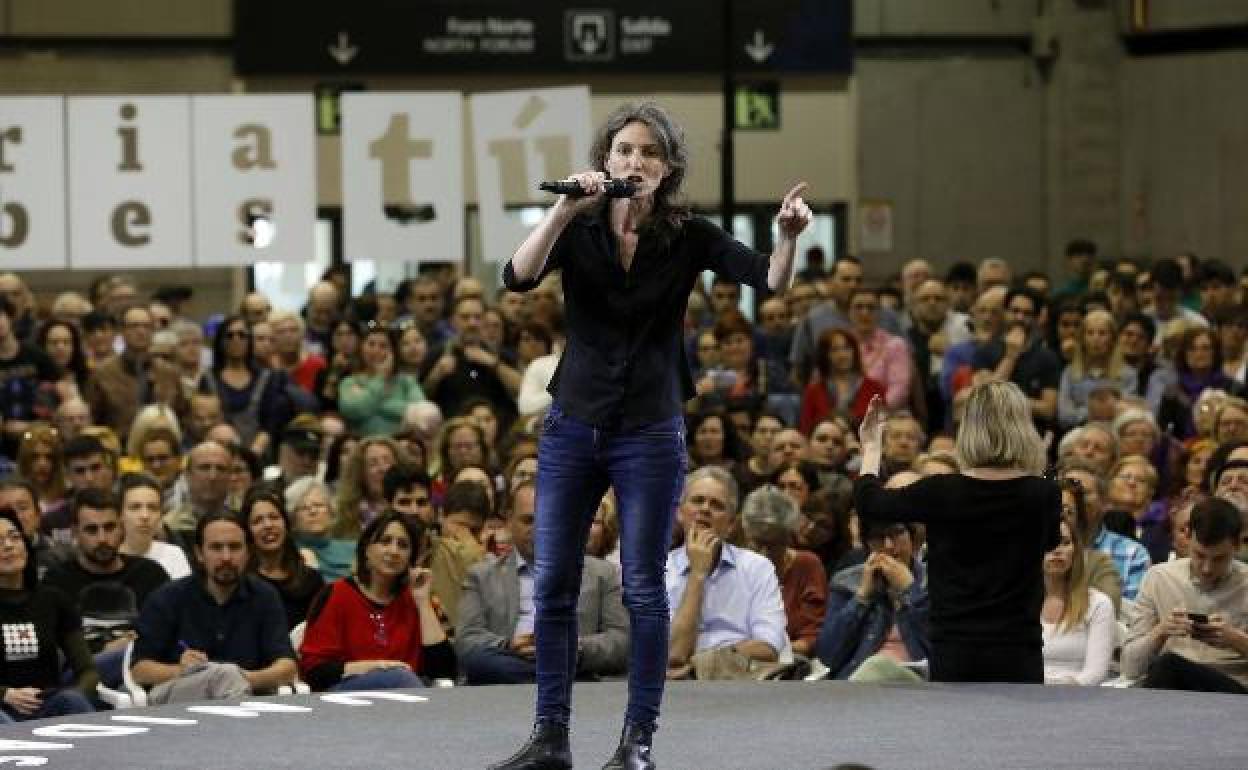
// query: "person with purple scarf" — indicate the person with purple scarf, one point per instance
point(1197, 365)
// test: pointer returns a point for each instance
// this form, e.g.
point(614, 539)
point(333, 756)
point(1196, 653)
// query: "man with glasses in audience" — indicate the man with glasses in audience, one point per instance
point(123, 383)
point(725, 601)
point(1191, 629)
point(207, 470)
point(876, 626)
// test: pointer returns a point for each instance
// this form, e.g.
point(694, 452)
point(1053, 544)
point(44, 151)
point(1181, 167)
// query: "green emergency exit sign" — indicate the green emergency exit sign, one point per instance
point(757, 106)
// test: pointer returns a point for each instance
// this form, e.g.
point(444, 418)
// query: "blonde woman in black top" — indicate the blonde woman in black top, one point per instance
point(988, 529)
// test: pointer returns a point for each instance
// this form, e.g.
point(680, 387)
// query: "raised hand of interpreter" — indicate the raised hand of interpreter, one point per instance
point(794, 214)
point(871, 431)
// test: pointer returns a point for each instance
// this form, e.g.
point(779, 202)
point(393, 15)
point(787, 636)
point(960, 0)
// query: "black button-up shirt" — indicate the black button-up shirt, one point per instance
point(248, 630)
point(625, 365)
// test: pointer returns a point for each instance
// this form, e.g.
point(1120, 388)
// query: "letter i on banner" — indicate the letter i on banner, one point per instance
point(32, 183)
point(403, 176)
point(129, 181)
point(255, 178)
point(519, 139)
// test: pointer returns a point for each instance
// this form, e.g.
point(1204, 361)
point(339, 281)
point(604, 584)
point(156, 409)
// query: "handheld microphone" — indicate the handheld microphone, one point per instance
point(616, 188)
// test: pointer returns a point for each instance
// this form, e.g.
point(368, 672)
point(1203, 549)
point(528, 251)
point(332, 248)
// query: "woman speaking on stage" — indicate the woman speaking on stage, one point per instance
point(628, 265)
point(988, 529)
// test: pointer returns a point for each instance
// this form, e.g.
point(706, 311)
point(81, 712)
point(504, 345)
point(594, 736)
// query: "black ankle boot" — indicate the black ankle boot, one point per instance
point(547, 749)
point(634, 750)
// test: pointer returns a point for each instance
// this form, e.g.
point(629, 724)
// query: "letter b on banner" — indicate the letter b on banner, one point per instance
point(519, 139)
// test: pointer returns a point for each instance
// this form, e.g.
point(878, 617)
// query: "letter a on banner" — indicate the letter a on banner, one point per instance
point(403, 176)
point(519, 139)
point(130, 181)
point(32, 183)
point(255, 178)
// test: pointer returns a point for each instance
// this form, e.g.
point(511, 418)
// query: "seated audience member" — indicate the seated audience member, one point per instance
point(1130, 558)
point(876, 626)
point(1189, 633)
point(373, 399)
point(494, 635)
point(361, 492)
point(1132, 484)
point(604, 530)
point(207, 488)
point(829, 448)
point(1078, 621)
point(1180, 526)
point(88, 465)
point(724, 600)
point(31, 681)
point(1098, 566)
point(377, 630)
point(160, 454)
point(299, 453)
point(757, 467)
point(40, 460)
point(274, 557)
point(205, 414)
point(1094, 444)
point(19, 494)
point(788, 445)
point(825, 525)
point(71, 417)
point(219, 633)
point(141, 513)
point(312, 528)
point(464, 511)
point(903, 440)
point(839, 384)
point(769, 518)
point(449, 558)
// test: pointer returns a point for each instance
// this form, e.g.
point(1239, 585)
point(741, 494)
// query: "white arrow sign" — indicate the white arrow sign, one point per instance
point(342, 51)
point(759, 49)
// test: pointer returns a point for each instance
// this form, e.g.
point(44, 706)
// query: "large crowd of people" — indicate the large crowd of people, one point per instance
point(344, 493)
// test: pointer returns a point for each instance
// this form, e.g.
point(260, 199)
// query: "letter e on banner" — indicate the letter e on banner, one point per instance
point(403, 176)
point(255, 159)
point(130, 181)
point(519, 139)
point(32, 183)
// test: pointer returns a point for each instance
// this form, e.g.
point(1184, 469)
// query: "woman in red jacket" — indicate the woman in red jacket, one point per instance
point(838, 385)
point(377, 630)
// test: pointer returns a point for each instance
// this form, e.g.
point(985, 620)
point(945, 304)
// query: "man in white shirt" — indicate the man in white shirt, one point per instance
point(720, 595)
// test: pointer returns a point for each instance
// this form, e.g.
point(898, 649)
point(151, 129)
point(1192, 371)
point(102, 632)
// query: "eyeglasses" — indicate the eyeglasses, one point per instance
point(237, 334)
point(894, 532)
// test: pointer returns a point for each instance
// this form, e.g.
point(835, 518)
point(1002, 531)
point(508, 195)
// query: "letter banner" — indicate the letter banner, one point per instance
point(255, 178)
point(32, 183)
point(130, 181)
point(521, 138)
point(403, 176)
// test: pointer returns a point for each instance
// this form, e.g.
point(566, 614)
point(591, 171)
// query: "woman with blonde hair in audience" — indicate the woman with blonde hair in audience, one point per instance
point(988, 528)
point(1078, 621)
point(1102, 573)
point(932, 463)
point(312, 524)
point(378, 629)
point(361, 491)
point(142, 509)
point(1230, 420)
point(275, 558)
point(770, 520)
point(39, 460)
point(1097, 362)
point(604, 531)
point(158, 453)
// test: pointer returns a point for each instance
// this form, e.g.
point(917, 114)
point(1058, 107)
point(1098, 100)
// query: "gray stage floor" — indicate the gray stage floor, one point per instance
point(726, 726)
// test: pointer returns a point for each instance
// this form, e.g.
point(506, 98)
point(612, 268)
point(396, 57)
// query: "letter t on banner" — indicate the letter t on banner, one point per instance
point(403, 176)
point(519, 139)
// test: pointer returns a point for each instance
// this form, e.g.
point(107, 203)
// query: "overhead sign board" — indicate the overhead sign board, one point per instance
point(328, 37)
